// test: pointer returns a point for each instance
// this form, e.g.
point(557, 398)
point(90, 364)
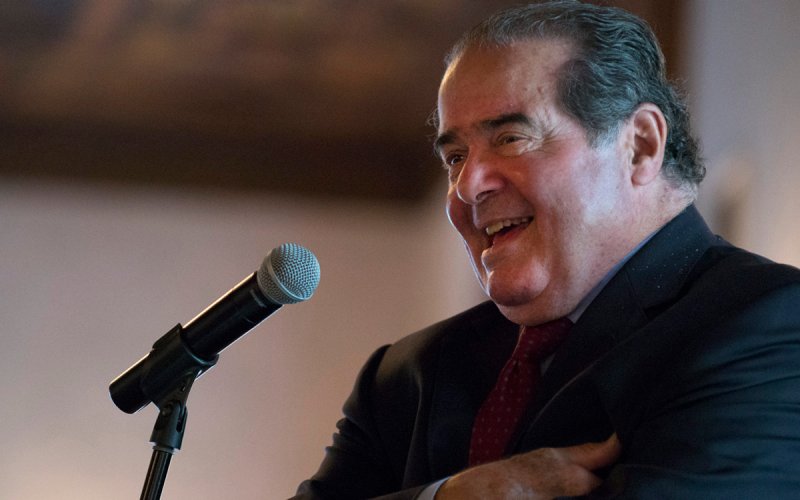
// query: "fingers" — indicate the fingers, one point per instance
point(593, 456)
point(575, 481)
point(540, 474)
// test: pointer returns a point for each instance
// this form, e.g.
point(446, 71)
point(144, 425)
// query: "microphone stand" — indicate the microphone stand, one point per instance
point(167, 435)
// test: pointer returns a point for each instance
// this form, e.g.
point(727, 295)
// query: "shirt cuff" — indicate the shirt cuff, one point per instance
point(430, 492)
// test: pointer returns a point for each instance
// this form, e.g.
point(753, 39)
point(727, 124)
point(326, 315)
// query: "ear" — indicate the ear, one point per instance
point(648, 129)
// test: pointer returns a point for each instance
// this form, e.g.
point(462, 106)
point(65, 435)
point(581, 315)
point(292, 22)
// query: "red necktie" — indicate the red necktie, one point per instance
point(500, 413)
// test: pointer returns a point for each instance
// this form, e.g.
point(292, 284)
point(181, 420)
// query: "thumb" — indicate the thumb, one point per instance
point(596, 455)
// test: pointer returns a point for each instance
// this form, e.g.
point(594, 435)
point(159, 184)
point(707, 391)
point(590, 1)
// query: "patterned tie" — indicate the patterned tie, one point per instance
point(500, 413)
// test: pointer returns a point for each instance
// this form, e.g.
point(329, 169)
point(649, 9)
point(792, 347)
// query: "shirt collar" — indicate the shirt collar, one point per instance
point(594, 292)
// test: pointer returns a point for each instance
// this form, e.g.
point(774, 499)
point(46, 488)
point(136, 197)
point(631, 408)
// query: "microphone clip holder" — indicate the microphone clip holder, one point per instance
point(155, 376)
point(169, 395)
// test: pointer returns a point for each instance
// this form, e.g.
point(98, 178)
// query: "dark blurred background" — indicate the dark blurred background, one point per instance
point(313, 96)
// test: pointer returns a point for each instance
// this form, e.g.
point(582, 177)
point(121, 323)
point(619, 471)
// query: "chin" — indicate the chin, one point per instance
point(513, 306)
point(529, 314)
point(513, 288)
point(518, 314)
point(526, 306)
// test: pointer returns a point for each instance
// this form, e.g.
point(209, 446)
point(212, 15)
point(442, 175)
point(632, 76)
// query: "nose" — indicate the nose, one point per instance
point(478, 179)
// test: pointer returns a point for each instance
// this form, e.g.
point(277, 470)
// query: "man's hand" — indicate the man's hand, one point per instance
point(540, 474)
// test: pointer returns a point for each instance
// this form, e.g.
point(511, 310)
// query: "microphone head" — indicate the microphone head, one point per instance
point(289, 274)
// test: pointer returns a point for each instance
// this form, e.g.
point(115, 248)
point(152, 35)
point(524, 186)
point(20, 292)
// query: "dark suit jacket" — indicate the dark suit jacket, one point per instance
point(691, 354)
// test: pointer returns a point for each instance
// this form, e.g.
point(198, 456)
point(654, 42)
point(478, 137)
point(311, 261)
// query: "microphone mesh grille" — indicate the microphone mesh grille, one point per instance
point(289, 274)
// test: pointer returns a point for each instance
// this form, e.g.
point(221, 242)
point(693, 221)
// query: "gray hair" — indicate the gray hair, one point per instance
point(617, 65)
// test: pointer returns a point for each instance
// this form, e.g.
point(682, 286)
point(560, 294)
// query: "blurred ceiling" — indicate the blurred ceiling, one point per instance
point(322, 97)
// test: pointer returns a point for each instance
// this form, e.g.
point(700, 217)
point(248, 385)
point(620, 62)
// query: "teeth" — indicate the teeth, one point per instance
point(498, 226)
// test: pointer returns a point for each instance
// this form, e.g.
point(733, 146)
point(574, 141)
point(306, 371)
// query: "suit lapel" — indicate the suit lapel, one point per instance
point(469, 362)
point(592, 336)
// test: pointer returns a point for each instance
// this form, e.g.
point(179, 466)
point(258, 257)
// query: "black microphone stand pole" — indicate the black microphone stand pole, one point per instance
point(167, 436)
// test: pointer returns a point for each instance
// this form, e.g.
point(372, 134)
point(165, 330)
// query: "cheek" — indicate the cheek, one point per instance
point(458, 214)
point(460, 218)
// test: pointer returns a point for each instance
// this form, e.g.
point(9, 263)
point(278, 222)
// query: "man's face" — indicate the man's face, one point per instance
point(543, 214)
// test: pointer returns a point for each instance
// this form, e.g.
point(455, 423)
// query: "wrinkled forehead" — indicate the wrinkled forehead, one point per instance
point(483, 82)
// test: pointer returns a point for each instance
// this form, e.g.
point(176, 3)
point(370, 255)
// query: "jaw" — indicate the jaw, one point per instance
point(533, 300)
point(529, 284)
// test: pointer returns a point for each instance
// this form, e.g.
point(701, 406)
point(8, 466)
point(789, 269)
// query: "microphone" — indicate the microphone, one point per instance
point(289, 274)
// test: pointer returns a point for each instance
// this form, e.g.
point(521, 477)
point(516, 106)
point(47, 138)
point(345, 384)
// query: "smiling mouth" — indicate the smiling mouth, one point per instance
point(505, 226)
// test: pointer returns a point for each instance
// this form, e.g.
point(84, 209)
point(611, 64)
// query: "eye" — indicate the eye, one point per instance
point(513, 144)
point(452, 163)
point(452, 156)
point(453, 159)
point(509, 138)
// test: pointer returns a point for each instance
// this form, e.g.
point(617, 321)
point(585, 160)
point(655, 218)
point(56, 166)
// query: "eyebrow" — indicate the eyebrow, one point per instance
point(513, 118)
point(449, 137)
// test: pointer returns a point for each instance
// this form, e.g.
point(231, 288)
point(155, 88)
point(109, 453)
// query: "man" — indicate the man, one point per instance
point(572, 176)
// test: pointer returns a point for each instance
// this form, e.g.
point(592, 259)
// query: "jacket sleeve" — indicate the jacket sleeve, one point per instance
point(723, 420)
point(356, 465)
